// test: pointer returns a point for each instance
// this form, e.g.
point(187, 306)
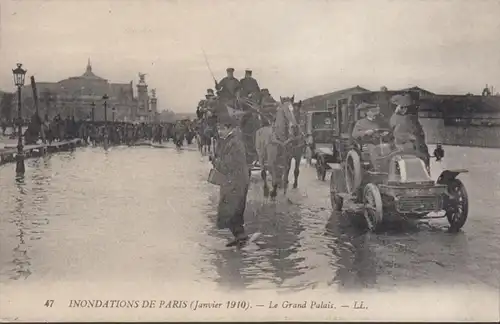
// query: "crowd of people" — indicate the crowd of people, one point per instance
point(97, 132)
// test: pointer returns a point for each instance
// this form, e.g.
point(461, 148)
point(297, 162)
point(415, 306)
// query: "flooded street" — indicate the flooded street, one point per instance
point(147, 215)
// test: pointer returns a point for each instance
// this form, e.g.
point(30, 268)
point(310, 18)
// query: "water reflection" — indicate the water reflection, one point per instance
point(20, 255)
point(355, 262)
point(87, 215)
point(273, 260)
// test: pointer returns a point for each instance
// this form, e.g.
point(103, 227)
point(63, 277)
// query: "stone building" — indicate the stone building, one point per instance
point(80, 95)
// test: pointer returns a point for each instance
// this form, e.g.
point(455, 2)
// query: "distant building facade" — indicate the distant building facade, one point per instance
point(75, 96)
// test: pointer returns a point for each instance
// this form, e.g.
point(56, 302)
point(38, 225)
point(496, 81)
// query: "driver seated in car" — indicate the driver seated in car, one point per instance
point(366, 131)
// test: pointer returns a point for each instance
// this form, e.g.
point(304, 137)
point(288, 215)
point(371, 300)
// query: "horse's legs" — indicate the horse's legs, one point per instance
point(296, 171)
point(285, 173)
point(272, 159)
point(263, 175)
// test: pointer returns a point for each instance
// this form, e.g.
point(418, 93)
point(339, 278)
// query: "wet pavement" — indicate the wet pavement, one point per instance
point(147, 215)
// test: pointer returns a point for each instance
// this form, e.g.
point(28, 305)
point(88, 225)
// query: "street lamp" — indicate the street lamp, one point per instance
point(19, 74)
point(106, 131)
point(105, 97)
point(93, 111)
point(114, 110)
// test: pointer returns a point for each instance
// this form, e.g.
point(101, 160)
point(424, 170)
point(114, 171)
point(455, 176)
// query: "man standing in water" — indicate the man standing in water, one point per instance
point(230, 162)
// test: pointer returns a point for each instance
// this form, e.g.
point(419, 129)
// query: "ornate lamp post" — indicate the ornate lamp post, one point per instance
point(19, 74)
point(93, 111)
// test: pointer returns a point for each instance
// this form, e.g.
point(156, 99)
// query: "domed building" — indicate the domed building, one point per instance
point(83, 97)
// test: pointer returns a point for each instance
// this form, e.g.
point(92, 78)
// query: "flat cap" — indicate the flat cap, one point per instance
point(230, 69)
point(210, 91)
point(248, 71)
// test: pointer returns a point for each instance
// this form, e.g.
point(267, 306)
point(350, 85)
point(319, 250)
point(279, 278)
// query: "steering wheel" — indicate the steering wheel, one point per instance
point(378, 134)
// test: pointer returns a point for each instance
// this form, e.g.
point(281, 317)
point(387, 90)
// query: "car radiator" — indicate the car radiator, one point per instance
point(418, 204)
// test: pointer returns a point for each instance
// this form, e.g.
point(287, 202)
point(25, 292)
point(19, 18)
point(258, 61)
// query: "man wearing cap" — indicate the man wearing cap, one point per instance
point(210, 100)
point(230, 161)
point(408, 133)
point(250, 87)
point(365, 128)
point(229, 86)
point(371, 122)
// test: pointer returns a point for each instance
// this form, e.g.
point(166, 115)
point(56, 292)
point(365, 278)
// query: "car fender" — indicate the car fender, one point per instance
point(448, 175)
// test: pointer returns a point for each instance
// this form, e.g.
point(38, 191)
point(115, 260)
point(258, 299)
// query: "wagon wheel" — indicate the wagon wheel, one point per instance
point(336, 200)
point(456, 205)
point(372, 207)
point(353, 172)
point(321, 167)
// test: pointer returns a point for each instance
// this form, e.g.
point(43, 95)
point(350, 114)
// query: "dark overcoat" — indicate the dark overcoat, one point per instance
point(230, 160)
point(409, 133)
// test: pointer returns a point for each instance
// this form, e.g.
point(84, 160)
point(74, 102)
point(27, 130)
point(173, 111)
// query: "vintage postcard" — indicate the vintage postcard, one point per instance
point(249, 160)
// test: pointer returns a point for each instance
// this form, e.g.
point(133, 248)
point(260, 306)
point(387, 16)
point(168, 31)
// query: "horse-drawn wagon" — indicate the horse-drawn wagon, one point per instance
point(396, 184)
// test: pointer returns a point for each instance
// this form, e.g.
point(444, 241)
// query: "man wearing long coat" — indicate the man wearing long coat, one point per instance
point(408, 132)
point(230, 160)
point(228, 87)
point(250, 87)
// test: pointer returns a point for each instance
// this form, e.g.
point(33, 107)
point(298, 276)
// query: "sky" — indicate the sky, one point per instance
point(300, 47)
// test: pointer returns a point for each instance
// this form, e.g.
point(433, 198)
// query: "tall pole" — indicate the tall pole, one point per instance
point(20, 168)
point(105, 113)
point(93, 111)
point(106, 131)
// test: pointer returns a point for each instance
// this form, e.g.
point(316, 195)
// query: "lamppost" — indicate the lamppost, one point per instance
point(106, 131)
point(93, 111)
point(113, 110)
point(19, 74)
point(105, 97)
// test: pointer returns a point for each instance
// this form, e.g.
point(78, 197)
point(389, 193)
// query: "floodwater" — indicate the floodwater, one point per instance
point(147, 215)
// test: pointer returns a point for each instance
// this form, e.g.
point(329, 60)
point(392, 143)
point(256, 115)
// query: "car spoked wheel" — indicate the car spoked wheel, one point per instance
point(353, 172)
point(336, 200)
point(372, 207)
point(456, 205)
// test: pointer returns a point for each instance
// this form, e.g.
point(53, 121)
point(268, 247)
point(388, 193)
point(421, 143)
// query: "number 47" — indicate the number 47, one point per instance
point(49, 303)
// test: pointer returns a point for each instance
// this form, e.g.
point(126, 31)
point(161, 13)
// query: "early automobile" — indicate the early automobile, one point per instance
point(319, 130)
point(395, 184)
